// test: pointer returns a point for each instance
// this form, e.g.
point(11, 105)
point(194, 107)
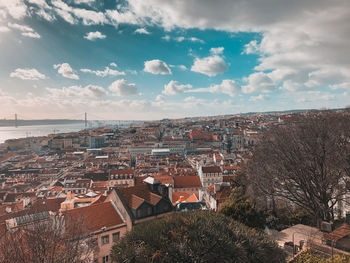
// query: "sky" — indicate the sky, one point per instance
point(154, 59)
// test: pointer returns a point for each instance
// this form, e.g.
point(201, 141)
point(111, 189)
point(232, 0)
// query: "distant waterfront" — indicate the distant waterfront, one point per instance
point(44, 130)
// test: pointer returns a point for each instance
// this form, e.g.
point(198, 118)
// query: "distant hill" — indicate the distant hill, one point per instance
point(11, 123)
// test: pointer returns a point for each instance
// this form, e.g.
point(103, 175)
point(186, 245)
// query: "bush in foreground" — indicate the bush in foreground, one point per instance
point(199, 236)
point(309, 256)
point(240, 208)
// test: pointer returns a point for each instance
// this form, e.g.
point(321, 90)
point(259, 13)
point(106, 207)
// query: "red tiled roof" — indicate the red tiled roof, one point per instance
point(338, 233)
point(142, 191)
point(94, 217)
point(164, 179)
point(100, 199)
point(47, 205)
point(135, 201)
point(192, 198)
point(187, 181)
point(40, 206)
point(211, 169)
point(122, 171)
point(233, 167)
point(176, 197)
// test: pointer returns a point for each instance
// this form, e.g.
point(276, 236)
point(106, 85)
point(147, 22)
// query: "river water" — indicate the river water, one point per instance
point(44, 130)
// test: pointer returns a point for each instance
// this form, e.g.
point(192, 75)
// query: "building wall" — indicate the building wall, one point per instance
point(190, 191)
point(211, 178)
point(117, 182)
point(105, 249)
point(119, 204)
point(209, 200)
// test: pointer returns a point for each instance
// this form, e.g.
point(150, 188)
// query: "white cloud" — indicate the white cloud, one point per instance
point(44, 14)
point(227, 86)
point(195, 39)
point(217, 50)
point(344, 85)
point(260, 97)
point(91, 91)
point(72, 15)
point(15, 8)
point(89, 17)
point(182, 38)
point(166, 38)
point(84, 1)
point(112, 64)
point(174, 87)
point(103, 73)
point(31, 34)
point(26, 30)
point(66, 16)
point(4, 29)
point(211, 66)
point(40, 3)
point(251, 48)
point(27, 74)
point(94, 35)
point(66, 71)
point(116, 17)
point(122, 87)
point(142, 31)
point(179, 39)
point(259, 82)
point(160, 98)
point(182, 67)
point(157, 66)
point(286, 44)
point(23, 28)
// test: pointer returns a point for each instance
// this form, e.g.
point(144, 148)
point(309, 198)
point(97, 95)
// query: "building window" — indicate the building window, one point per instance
point(105, 239)
point(149, 210)
point(105, 259)
point(116, 237)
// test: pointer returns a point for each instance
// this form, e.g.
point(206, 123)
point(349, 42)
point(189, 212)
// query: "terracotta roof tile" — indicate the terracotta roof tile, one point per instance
point(94, 217)
point(134, 201)
point(338, 233)
point(142, 192)
point(164, 179)
point(176, 197)
point(192, 198)
point(211, 169)
point(122, 171)
point(187, 181)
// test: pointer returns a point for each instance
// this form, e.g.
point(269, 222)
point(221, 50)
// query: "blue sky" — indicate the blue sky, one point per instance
point(158, 59)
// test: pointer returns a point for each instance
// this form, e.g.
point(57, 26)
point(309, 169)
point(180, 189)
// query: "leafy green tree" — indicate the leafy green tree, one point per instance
point(241, 209)
point(196, 236)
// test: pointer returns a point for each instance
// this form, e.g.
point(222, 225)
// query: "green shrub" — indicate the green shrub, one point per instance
point(196, 236)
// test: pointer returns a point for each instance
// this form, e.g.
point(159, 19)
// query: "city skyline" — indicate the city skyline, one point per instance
point(155, 59)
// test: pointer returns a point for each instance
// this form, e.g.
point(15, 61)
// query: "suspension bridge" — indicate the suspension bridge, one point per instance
point(17, 120)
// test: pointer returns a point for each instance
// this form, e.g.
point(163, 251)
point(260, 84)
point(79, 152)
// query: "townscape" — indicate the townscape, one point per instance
point(118, 177)
point(110, 179)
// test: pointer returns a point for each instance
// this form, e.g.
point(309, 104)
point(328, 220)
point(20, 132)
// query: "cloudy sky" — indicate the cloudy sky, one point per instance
point(137, 59)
